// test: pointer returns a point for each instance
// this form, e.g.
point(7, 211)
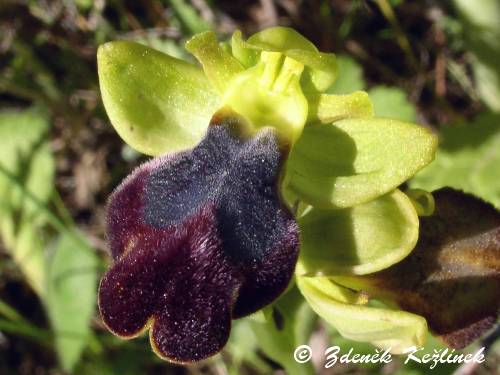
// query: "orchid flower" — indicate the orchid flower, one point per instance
point(260, 177)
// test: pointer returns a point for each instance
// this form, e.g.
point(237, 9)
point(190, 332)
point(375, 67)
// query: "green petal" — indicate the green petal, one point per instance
point(329, 108)
point(245, 53)
point(358, 240)
point(356, 160)
point(452, 277)
point(155, 102)
point(384, 328)
point(320, 71)
point(219, 66)
point(280, 39)
point(320, 68)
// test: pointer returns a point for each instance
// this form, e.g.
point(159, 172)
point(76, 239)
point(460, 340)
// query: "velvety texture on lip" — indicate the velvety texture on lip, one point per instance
point(198, 238)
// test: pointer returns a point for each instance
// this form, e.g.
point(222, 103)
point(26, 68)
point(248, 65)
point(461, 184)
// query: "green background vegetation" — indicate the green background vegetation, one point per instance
point(431, 62)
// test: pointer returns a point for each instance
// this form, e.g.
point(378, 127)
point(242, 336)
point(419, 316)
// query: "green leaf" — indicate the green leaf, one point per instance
point(71, 297)
point(468, 159)
point(350, 76)
point(189, 17)
point(362, 239)
point(341, 308)
point(356, 160)
point(26, 164)
point(289, 324)
point(84, 4)
point(482, 32)
point(243, 346)
point(156, 103)
point(392, 102)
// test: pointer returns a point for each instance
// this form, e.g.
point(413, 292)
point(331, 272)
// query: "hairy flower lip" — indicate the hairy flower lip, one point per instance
point(151, 322)
point(184, 264)
point(240, 127)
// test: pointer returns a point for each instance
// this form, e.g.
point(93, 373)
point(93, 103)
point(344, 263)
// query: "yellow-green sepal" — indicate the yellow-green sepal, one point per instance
point(348, 312)
point(155, 102)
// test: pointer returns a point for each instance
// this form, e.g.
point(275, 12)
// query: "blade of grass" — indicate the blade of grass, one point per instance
point(386, 9)
point(27, 330)
point(52, 219)
point(10, 313)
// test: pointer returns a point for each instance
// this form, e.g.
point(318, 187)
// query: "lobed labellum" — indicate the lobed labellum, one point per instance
point(198, 238)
